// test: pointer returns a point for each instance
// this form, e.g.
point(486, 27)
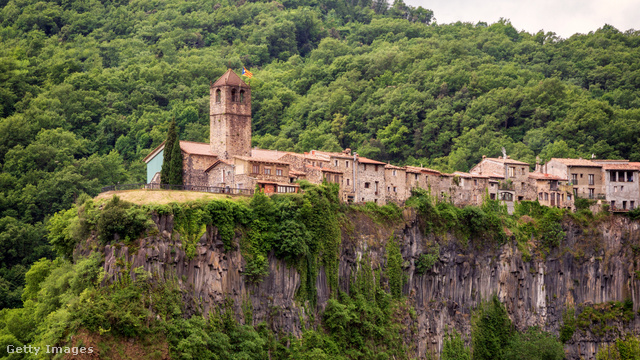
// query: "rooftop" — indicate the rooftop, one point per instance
point(541, 176)
point(506, 161)
point(577, 162)
point(230, 78)
point(627, 166)
point(259, 159)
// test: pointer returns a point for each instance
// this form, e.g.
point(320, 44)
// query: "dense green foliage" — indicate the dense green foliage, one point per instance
point(88, 88)
point(453, 348)
point(627, 348)
point(493, 337)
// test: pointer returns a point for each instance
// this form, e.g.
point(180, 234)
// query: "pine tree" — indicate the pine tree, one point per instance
point(172, 137)
point(175, 171)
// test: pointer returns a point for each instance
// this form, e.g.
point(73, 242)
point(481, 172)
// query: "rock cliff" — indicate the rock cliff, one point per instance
point(590, 267)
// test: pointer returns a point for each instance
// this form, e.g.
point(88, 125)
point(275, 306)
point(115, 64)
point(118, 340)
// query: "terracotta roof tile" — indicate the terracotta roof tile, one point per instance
point(257, 159)
point(389, 166)
point(577, 162)
point(269, 154)
point(230, 78)
point(508, 161)
point(628, 166)
point(364, 160)
point(196, 148)
point(541, 176)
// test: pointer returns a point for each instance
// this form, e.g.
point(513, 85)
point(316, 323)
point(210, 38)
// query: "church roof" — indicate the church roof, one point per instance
point(230, 78)
point(189, 147)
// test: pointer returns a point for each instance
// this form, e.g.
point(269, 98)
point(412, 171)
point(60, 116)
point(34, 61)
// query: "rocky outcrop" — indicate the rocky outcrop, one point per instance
point(592, 267)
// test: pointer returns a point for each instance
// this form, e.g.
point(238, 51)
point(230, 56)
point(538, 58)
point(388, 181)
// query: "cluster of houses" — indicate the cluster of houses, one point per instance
point(228, 163)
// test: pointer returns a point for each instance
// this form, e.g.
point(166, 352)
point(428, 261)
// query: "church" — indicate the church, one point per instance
point(228, 161)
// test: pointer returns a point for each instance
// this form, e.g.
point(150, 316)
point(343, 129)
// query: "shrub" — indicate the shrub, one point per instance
point(123, 219)
point(453, 348)
point(534, 344)
point(426, 261)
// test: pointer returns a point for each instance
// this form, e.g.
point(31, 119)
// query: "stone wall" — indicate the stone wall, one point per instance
point(370, 184)
point(194, 167)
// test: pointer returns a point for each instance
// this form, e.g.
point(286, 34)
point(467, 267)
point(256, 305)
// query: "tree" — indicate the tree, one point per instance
point(172, 138)
point(175, 171)
point(453, 348)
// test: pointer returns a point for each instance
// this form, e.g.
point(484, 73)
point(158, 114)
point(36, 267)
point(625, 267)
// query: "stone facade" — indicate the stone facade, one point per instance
point(230, 117)
point(621, 185)
point(228, 161)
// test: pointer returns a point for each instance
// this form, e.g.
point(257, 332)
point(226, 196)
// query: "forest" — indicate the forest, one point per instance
point(88, 88)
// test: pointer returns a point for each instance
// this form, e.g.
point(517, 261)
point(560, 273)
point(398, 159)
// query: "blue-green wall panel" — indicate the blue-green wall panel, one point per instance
point(154, 165)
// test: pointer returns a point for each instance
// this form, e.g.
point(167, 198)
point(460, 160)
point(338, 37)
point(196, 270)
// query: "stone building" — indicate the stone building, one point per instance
point(395, 180)
point(584, 176)
point(230, 116)
point(621, 184)
point(551, 190)
point(228, 164)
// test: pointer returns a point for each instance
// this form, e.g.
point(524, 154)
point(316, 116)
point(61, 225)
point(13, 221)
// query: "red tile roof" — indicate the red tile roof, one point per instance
point(541, 176)
point(364, 160)
point(189, 147)
point(196, 148)
point(508, 161)
point(462, 174)
point(577, 162)
point(628, 166)
point(389, 166)
point(218, 162)
point(263, 160)
point(230, 78)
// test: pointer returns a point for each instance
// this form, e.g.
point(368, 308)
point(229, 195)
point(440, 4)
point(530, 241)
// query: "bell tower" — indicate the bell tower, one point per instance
point(230, 116)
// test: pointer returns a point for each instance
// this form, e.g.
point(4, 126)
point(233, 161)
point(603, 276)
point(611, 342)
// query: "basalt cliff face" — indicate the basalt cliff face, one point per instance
point(590, 268)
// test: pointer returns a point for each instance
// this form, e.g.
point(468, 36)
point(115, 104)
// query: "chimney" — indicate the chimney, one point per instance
point(500, 157)
point(484, 157)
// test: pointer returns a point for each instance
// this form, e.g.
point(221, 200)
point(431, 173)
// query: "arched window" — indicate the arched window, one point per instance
point(241, 96)
point(234, 95)
point(218, 95)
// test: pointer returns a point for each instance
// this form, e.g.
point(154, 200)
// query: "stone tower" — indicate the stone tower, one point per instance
point(230, 117)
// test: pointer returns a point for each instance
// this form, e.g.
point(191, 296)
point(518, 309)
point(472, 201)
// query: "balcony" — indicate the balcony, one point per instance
point(508, 185)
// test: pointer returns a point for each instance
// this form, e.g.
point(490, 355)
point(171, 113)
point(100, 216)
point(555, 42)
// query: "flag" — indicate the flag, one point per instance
point(246, 72)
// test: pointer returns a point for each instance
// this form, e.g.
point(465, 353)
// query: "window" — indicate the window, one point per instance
point(241, 95)
point(590, 179)
point(388, 188)
point(346, 164)
point(376, 167)
point(574, 179)
point(629, 176)
point(591, 193)
point(546, 196)
point(365, 167)
point(624, 205)
point(506, 196)
point(575, 191)
point(540, 196)
point(492, 196)
point(612, 176)
point(621, 176)
point(512, 171)
point(218, 96)
point(615, 189)
point(613, 204)
point(475, 182)
point(396, 190)
point(621, 188)
point(347, 181)
point(632, 205)
point(267, 170)
point(335, 163)
point(279, 172)
point(568, 197)
point(581, 176)
point(416, 177)
point(234, 95)
point(523, 171)
point(255, 169)
point(394, 172)
point(366, 185)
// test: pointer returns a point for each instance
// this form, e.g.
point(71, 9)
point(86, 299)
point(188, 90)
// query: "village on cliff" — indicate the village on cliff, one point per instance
point(228, 164)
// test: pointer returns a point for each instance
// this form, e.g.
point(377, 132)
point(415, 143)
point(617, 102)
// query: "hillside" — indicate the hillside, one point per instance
point(87, 88)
